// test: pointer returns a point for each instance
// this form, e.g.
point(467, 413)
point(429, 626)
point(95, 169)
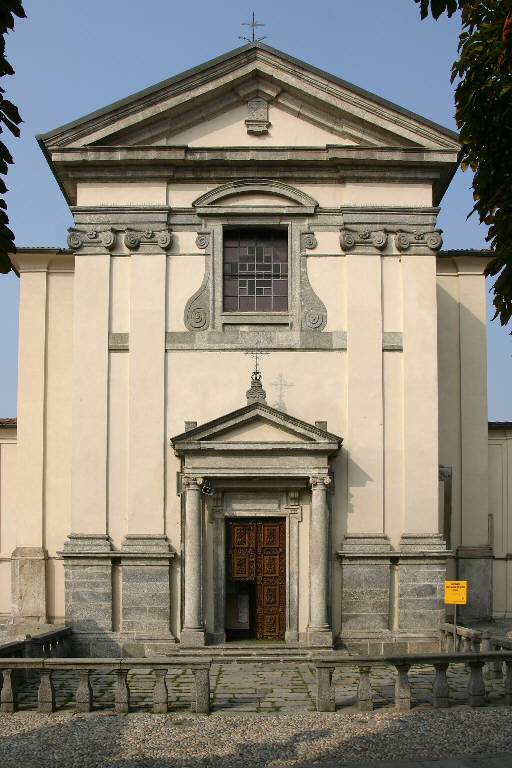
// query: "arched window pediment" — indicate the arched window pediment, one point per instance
point(272, 188)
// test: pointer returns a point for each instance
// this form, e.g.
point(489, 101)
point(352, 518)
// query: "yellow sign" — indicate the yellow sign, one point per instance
point(456, 592)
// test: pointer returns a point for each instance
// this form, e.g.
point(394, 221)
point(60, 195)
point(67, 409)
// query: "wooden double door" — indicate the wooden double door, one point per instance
point(256, 573)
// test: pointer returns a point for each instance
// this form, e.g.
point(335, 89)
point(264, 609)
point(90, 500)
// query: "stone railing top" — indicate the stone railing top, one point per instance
point(195, 662)
point(478, 634)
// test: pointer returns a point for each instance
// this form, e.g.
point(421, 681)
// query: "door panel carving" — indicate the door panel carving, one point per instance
point(257, 552)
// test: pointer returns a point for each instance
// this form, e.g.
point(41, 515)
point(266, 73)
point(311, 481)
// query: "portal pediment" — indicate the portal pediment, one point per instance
point(257, 424)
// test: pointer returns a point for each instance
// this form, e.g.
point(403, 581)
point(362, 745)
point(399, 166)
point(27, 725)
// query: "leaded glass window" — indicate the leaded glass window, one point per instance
point(255, 270)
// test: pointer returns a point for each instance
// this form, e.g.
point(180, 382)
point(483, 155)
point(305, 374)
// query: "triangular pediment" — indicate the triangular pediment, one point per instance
point(257, 423)
point(208, 107)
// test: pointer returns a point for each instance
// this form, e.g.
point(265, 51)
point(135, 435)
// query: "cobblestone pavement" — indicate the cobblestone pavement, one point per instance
point(265, 688)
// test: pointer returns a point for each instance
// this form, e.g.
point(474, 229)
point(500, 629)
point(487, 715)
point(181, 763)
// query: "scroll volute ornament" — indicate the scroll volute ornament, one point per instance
point(77, 238)
point(376, 238)
point(319, 482)
point(432, 239)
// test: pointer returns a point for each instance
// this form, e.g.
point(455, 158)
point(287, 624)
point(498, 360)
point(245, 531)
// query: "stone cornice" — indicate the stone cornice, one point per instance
point(43, 260)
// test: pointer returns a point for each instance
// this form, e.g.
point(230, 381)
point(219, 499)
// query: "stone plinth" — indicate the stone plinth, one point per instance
point(422, 571)
point(88, 582)
point(28, 585)
point(145, 584)
point(366, 582)
point(474, 565)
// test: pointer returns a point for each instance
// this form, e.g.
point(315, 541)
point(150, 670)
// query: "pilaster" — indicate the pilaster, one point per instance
point(29, 560)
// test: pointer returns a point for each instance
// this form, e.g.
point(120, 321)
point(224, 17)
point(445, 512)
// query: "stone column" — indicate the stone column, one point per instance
point(319, 630)
point(193, 629)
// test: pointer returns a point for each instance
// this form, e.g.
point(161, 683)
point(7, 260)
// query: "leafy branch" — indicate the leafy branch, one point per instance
point(10, 119)
point(483, 111)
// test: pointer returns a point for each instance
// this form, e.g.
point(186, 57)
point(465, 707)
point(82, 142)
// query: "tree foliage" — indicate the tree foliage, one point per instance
point(10, 119)
point(483, 102)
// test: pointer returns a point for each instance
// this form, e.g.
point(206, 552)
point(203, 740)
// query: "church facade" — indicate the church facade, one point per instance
point(159, 488)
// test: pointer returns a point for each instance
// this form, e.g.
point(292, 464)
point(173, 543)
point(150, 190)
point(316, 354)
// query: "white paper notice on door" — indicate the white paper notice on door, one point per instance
point(243, 609)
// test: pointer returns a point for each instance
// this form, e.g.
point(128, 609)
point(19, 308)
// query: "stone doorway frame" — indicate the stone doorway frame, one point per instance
point(251, 504)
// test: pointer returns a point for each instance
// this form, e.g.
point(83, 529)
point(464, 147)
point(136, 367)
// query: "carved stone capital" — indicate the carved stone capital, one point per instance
point(406, 239)
point(203, 239)
point(350, 238)
point(257, 117)
point(319, 482)
point(308, 241)
point(191, 483)
point(133, 239)
point(78, 238)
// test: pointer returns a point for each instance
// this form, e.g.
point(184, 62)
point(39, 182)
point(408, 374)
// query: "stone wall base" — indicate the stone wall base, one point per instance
point(390, 642)
point(474, 565)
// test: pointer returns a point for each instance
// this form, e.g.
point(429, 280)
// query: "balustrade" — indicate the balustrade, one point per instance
point(200, 667)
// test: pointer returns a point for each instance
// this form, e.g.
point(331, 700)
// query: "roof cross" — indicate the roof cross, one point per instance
point(253, 24)
point(256, 353)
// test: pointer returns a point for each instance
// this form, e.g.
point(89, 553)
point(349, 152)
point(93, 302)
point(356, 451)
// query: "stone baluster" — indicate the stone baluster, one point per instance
point(402, 687)
point(466, 644)
point(8, 693)
point(364, 689)
point(497, 666)
point(202, 684)
point(475, 645)
point(441, 691)
point(324, 689)
point(83, 698)
point(46, 692)
point(485, 646)
point(508, 682)
point(160, 691)
point(476, 685)
point(122, 692)
point(193, 630)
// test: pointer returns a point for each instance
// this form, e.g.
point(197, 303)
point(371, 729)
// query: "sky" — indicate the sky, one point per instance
point(71, 58)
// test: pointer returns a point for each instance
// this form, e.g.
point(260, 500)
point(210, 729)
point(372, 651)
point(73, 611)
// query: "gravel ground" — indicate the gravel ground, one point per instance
point(305, 740)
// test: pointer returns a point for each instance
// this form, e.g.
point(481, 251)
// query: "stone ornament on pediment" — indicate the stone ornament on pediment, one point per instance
point(405, 239)
point(134, 238)
point(350, 238)
point(78, 238)
point(257, 117)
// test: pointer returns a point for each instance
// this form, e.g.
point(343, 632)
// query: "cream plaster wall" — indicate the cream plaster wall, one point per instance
point(229, 129)
point(182, 195)
point(500, 511)
point(121, 193)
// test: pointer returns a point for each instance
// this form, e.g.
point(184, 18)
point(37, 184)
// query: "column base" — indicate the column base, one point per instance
point(319, 638)
point(192, 638)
